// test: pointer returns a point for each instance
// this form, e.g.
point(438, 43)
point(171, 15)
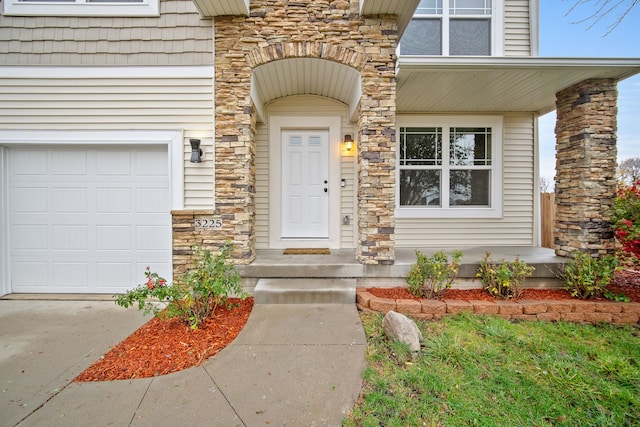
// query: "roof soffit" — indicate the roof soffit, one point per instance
point(466, 84)
point(210, 8)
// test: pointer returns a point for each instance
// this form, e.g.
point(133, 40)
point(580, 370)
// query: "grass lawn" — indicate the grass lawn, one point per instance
point(485, 371)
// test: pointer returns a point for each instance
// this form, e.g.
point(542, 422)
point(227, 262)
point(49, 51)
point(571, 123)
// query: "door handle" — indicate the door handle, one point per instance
point(326, 189)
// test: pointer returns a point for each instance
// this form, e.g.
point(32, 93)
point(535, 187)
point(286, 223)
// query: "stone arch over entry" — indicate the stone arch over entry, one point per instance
point(319, 50)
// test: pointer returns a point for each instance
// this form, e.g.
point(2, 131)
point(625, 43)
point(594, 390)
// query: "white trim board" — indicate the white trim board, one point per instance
point(107, 72)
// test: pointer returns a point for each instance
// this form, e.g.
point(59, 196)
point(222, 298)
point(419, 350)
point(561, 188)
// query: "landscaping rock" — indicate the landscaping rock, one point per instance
point(403, 329)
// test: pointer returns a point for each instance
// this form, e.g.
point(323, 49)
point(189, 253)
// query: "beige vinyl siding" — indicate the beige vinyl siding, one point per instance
point(302, 106)
point(517, 28)
point(515, 228)
point(262, 186)
point(172, 102)
point(179, 36)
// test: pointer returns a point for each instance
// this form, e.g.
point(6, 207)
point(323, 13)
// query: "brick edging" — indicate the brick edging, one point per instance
point(549, 310)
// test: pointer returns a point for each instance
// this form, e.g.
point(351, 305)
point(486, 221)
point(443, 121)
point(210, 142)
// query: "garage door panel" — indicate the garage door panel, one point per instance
point(67, 162)
point(29, 162)
point(69, 200)
point(151, 200)
point(147, 164)
point(70, 237)
point(114, 275)
point(71, 274)
point(152, 237)
point(113, 237)
point(113, 163)
point(112, 200)
point(88, 218)
point(36, 274)
point(29, 237)
point(30, 200)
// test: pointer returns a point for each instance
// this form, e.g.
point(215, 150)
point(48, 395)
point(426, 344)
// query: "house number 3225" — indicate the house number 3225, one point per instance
point(208, 223)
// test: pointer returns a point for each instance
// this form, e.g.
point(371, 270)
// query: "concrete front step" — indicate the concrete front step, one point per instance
point(305, 291)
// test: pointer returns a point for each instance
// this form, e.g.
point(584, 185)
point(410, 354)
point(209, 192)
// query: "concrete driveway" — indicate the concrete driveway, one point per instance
point(44, 345)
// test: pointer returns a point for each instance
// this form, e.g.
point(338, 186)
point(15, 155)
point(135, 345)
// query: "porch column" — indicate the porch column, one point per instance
point(585, 166)
point(235, 147)
point(377, 162)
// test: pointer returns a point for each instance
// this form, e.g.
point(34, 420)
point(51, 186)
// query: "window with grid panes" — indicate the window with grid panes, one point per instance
point(453, 167)
point(450, 28)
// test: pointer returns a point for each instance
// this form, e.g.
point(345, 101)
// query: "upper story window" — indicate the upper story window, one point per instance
point(82, 7)
point(454, 28)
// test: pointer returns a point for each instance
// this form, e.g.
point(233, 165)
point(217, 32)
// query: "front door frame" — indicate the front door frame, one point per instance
point(276, 125)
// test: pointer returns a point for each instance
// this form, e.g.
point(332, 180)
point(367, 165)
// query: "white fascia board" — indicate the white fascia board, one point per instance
point(115, 72)
point(626, 67)
point(144, 9)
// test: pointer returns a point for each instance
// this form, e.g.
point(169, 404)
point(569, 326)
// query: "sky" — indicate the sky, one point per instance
point(561, 35)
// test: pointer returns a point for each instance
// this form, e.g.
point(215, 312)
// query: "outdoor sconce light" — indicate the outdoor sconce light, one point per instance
point(348, 142)
point(196, 151)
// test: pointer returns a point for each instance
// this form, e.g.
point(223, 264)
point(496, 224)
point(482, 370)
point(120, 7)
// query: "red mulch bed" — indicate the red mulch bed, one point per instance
point(626, 282)
point(160, 347)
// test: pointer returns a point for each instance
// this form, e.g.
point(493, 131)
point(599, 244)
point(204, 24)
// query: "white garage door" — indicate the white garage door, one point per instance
point(87, 219)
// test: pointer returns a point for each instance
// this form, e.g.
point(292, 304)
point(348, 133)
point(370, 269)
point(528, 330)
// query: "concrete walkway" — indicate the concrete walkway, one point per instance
point(293, 364)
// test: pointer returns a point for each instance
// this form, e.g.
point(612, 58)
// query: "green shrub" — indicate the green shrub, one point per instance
point(586, 276)
point(626, 219)
point(430, 276)
point(195, 295)
point(503, 279)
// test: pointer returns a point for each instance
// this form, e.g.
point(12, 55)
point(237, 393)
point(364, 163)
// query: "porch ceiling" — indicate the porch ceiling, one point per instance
point(305, 76)
point(464, 84)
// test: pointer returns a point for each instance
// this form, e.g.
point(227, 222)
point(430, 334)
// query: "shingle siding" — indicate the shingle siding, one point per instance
point(179, 36)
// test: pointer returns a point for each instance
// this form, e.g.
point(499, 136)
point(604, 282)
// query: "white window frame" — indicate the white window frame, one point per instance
point(81, 8)
point(496, 33)
point(496, 188)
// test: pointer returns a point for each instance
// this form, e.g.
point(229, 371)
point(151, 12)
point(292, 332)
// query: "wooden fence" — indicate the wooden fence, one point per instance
point(547, 218)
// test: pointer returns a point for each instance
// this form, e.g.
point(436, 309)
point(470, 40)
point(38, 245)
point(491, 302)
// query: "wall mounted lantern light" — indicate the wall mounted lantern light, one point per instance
point(196, 151)
point(348, 142)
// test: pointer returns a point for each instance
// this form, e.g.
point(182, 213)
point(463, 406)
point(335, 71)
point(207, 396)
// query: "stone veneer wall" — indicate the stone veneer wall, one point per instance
point(186, 235)
point(324, 29)
point(585, 166)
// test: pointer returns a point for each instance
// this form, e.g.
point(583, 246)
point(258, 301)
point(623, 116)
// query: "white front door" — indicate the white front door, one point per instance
point(305, 184)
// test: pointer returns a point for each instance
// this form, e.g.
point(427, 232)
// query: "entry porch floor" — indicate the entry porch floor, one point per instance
point(342, 263)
